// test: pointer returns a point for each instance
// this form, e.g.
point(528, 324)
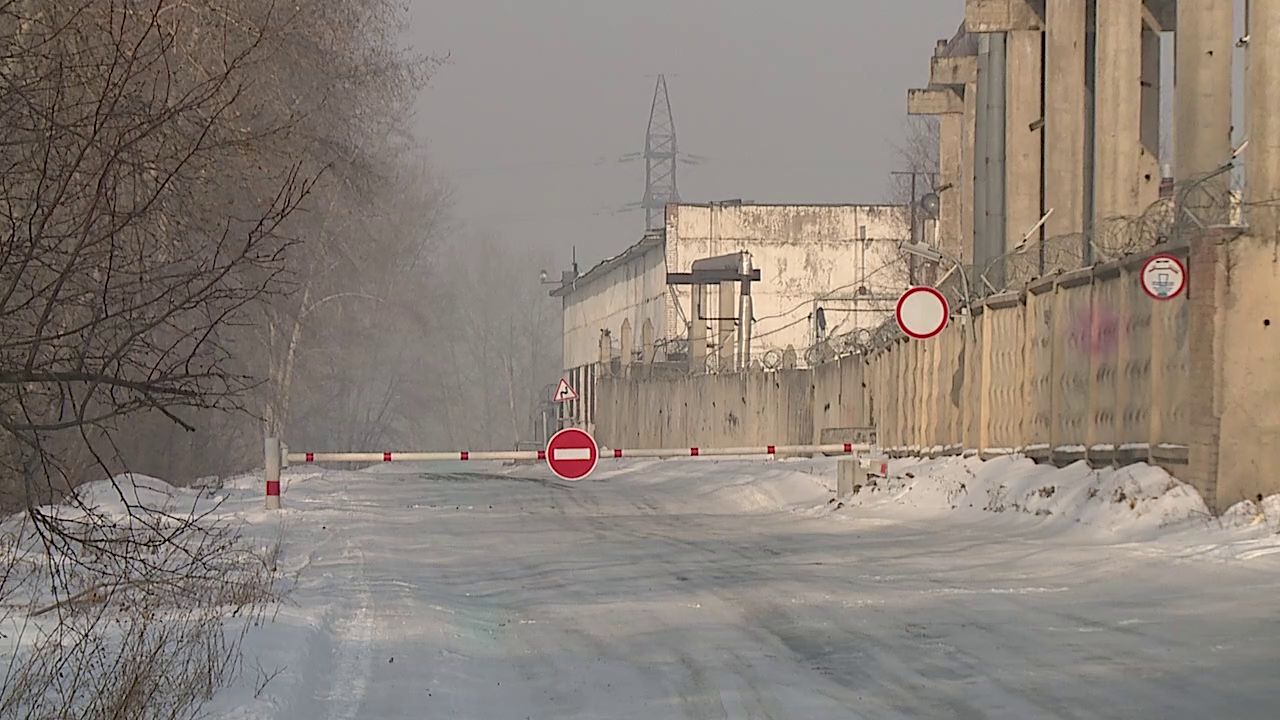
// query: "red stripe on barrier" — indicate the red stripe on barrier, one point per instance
point(693, 452)
point(542, 454)
point(311, 457)
point(464, 455)
point(617, 452)
point(770, 450)
point(848, 447)
point(273, 488)
point(386, 457)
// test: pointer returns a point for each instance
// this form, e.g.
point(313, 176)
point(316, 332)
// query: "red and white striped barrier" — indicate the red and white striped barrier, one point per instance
point(577, 456)
point(466, 455)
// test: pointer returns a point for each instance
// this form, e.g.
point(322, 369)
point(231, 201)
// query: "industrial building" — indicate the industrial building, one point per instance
point(823, 271)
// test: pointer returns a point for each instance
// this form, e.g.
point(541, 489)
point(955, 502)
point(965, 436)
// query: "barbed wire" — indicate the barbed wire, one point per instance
point(1209, 199)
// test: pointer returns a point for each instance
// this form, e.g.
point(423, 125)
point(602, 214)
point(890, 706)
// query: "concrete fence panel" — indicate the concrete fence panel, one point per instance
point(723, 409)
point(1041, 380)
point(1004, 320)
point(1073, 321)
point(840, 394)
point(1104, 360)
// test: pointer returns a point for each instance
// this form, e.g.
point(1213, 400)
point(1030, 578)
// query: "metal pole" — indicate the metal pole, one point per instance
point(273, 457)
point(742, 322)
point(747, 314)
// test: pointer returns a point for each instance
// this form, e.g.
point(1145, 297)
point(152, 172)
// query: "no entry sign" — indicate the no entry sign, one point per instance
point(572, 454)
point(922, 312)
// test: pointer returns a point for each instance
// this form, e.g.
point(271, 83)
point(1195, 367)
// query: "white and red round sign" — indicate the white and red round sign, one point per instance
point(922, 312)
point(1164, 277)
point(572, 454)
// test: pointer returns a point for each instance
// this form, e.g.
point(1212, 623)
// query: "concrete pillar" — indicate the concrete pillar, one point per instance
point(993, 244)
point(1118, 111)
point(1064, 118)
point(697, 330)
point(1234, 393)
point(951, 79)
point(728, 327)
point(1023, 138)
point(950, 167)
point(1202, 106)
point(846, 475)
point(606, 356)
point(1149, 165)
point(1262, 119)
point(625, 339)
point(968, 167)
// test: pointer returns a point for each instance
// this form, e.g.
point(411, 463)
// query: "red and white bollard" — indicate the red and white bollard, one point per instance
point(273, 455)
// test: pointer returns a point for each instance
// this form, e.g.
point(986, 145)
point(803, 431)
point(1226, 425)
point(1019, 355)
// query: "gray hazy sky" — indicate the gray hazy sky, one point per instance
point(788, 102)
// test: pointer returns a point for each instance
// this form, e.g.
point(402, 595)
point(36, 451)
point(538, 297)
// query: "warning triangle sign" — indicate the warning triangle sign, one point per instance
point(564, 393)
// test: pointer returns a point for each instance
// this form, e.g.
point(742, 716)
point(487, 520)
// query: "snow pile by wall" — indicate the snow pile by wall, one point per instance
point(1138, 501)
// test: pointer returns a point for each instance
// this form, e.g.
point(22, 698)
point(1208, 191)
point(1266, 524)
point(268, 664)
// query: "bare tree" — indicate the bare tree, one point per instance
point(117, 273)
point(505, 345)
point(158, 157)
point(917, 152)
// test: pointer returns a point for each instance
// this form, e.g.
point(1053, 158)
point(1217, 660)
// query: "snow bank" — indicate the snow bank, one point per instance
point(1134, 503)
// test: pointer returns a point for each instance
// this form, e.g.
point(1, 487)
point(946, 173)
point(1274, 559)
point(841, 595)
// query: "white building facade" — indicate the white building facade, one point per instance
point(826, 271)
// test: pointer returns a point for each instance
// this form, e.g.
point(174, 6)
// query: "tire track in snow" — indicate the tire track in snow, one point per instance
point(353, 650)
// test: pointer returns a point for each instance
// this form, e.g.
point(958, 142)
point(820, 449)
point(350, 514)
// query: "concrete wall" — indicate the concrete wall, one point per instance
point(634, 289)
point(644, 408)
point(807, 255)
point(1081, 365)
point(728, 410)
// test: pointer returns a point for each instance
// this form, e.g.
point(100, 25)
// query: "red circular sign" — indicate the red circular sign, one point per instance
point(572, 454)
point(922, 312)
point(1163, 276)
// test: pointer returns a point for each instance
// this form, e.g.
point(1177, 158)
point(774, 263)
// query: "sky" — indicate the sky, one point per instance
point(542, 101)
point(532, 118)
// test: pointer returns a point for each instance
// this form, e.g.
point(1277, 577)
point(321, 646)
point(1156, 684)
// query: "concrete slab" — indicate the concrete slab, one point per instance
point(986, 16)
point(934, 101)
point(954, 71)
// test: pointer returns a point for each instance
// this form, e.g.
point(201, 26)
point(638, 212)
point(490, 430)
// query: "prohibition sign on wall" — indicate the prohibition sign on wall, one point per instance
point(922, 312)
point(1163, 276)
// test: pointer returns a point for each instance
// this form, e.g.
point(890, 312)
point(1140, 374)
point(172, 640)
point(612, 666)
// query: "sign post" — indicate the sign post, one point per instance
point(922, 312)
point(572, 454)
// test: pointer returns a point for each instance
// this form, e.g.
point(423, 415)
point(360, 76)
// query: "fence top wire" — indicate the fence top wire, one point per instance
point(1210, 199)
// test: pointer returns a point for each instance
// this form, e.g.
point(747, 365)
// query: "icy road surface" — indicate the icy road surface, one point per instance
point(668, 592)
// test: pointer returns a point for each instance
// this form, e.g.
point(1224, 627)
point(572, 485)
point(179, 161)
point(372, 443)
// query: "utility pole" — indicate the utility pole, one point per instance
point(914, 204)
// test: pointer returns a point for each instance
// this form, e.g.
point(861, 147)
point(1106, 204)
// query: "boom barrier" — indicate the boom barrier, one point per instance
point(278, 456)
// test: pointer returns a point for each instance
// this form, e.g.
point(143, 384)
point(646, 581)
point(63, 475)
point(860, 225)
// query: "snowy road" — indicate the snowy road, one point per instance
point(639, 595)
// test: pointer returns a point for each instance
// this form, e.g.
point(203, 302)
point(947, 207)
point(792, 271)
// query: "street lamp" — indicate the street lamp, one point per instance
point(928, 253)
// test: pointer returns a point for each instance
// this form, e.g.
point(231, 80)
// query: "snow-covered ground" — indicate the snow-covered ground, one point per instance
point(744, 589)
